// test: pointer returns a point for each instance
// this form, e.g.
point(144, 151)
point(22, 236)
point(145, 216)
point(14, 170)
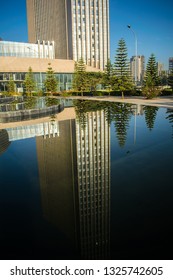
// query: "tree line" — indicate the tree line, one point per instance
point(115, 77)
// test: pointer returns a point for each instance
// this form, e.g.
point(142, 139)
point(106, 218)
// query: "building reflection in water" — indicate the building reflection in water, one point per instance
point(93, 161)
point(58, 178)
point(74, 170)
point(4, 141)
point(29, 131)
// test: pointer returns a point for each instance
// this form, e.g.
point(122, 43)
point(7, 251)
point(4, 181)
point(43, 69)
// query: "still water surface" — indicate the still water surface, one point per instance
point(95, 187)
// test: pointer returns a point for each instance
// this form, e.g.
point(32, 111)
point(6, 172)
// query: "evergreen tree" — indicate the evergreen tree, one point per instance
point(122, 115)
point(151, 80)
point(122, 69)
point(109, 111)
point(30, 103)
point(108, 76)
point(170, 79)
point(170, 118)
point(11, 85)
point(29, 82)
point(150, 116)
point(82, 107)
point(50, 82)
point(151, 70)
point(93, 80)
point(81, 113)
point(80, 83)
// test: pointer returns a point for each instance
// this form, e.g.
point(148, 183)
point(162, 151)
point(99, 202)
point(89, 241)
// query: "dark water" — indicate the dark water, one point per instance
point(95, 187)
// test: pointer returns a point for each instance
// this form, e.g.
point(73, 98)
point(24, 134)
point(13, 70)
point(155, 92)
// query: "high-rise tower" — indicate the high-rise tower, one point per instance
point(139, 62)
point(170, 64)
point(80, 28)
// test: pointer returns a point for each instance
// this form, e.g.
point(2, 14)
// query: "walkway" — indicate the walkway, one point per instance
point(166, 102)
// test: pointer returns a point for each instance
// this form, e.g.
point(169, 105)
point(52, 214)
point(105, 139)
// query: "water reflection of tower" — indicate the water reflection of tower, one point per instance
point(93, 161)
point(74, 171)
point(57, 172)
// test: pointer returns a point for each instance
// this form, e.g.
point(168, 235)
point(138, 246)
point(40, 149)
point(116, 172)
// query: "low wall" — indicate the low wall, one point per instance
point(29, 114)
point(6, 99)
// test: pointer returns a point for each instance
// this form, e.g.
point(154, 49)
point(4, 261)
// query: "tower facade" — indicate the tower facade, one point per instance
point(80, 28)
point(93, 167)
point(170, 64)
point(137, 65)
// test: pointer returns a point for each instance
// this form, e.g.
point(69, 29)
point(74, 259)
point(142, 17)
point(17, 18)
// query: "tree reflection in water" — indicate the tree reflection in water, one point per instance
point(150, 116)
point(169, 113)
point(118, 113)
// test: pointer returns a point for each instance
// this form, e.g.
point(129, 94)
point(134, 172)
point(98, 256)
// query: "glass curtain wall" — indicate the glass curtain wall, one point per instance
point(39, 50)
point(64, 81)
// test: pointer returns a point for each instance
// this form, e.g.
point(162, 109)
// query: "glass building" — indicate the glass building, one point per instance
point(18, 49)
point(16, 58)
point(64, 80)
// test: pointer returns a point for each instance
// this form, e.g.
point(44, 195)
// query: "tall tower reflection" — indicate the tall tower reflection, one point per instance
point(57, 171)
point(74, 169)
point(93, 161)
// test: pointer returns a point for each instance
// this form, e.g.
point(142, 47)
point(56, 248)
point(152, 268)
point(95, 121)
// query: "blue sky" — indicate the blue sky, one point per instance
point(151, 20)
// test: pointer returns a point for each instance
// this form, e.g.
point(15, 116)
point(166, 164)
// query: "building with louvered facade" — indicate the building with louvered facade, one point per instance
point(80, 28)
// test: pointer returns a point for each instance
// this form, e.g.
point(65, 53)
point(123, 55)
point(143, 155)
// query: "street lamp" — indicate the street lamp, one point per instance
point(136, 50)
point(39, 63)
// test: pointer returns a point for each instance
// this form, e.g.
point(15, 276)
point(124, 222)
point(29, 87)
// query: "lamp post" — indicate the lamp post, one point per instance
point(136, 51)
point(39, 64)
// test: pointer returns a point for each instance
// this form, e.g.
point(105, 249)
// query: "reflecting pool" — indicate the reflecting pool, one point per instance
point(98, 186)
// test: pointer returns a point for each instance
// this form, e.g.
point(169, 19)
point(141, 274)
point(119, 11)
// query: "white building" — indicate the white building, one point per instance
point(160, 68)
point(80, 28)
point(35, 50)
point(137, 68)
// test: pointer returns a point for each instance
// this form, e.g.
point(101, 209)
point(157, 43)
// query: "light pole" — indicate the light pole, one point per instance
point(136, 52)
point(39, 64)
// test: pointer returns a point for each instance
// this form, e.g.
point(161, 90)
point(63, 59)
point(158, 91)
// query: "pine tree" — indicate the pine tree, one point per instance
point(50, 82)
point(81, 113)
point(122, 115)
point(122, 69)
point(29, 82)
point(151, 80)
point(150, 116)
point(80, 83)
point(93, 79)
point(11, 85)
point(109, 111)
point(170, 118)
point(151, 70)
point(30, 103)
point(108, 76)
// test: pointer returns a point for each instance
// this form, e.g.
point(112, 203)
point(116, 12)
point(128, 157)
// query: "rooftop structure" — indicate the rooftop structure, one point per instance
point(17, 49)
